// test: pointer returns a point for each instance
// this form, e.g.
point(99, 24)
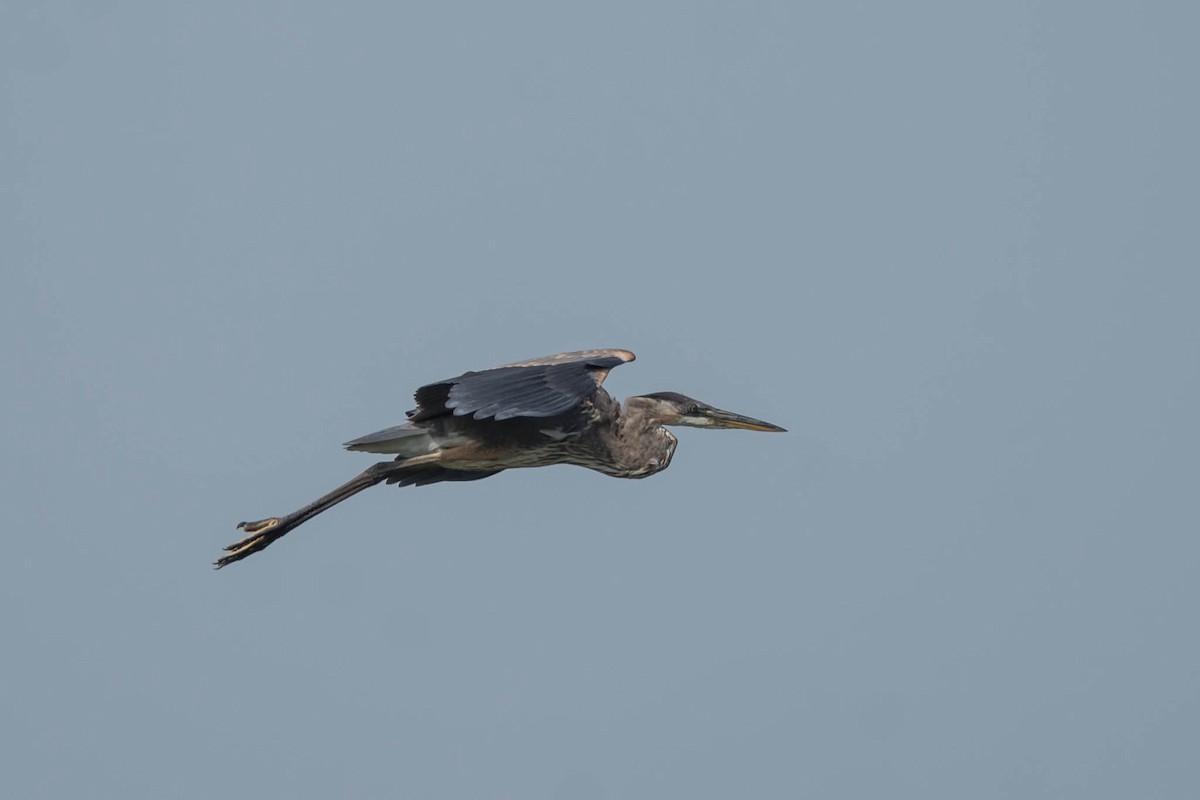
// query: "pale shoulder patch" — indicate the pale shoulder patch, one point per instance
point(574, 356)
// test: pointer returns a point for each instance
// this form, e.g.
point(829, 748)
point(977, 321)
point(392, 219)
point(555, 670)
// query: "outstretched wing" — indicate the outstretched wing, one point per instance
point(540, 387)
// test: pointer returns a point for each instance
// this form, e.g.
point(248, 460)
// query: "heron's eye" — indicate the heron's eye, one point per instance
point(693, 409)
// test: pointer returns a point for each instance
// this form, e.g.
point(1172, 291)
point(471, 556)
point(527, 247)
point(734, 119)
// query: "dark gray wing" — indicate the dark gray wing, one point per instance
point(540, 387)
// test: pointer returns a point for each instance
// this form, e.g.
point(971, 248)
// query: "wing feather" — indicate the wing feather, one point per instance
point(540, 387)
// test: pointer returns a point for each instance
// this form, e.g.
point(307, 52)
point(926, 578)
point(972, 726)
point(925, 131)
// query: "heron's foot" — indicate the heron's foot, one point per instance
point(260, 533)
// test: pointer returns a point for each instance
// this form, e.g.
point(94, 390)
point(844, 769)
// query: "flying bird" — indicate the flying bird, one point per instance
point(549, 410)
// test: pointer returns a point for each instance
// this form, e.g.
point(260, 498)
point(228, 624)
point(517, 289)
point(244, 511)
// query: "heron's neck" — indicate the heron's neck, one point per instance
point(641, 446)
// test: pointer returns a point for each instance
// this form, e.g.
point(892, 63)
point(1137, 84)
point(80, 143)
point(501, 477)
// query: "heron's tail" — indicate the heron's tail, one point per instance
point(402, 440)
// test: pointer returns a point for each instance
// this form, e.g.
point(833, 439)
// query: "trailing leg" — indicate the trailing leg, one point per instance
point(261, 533)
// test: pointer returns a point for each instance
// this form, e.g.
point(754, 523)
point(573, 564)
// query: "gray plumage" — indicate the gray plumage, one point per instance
point(544, 411)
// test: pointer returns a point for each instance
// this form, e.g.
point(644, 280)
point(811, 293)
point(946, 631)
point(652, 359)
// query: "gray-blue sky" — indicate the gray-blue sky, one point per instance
point(951, 247)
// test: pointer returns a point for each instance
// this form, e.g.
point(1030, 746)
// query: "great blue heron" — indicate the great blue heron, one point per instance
point(549, 410)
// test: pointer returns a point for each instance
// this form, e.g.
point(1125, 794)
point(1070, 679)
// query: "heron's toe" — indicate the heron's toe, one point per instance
point(257, 526)
point(259, 534)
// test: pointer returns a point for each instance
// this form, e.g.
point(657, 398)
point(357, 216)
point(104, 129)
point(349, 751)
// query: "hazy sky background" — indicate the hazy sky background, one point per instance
point(952, 247)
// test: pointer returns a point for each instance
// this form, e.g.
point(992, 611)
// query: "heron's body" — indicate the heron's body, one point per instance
point(598, 434)
point(550, 410)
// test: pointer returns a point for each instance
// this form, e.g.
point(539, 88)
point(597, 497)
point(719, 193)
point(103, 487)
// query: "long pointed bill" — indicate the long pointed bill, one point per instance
point(727, 419)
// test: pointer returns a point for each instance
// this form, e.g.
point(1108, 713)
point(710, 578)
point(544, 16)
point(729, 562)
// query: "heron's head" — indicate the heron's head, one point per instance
point(672, 408)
